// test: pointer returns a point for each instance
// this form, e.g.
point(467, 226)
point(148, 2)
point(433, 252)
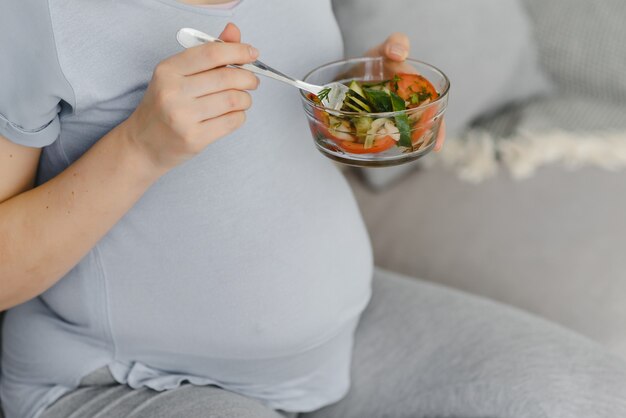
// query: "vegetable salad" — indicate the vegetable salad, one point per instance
point(360, 133)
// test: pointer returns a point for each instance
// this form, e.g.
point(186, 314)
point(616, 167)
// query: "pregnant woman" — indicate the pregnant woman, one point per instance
point(172, 244)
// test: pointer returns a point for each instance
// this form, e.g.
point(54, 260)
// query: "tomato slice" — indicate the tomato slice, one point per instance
point(319, 114)
point(380, 145)
point(413, 88)
point(424, 124)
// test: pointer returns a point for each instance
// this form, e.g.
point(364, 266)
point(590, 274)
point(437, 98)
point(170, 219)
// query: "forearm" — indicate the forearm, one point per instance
point(46, 231)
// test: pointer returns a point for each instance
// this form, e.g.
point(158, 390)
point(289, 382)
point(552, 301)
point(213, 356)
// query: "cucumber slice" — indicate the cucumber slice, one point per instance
point(353, 107)
point(362, 125)
point(355, 87)
point(360, 102)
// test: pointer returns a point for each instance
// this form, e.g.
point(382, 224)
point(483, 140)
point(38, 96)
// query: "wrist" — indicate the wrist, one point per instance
point(138, 159)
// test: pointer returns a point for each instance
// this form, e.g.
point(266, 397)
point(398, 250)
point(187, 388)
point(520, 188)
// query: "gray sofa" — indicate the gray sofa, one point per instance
point(553, 243)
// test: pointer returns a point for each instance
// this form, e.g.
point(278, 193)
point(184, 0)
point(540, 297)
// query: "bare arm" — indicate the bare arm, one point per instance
point(45, 231)
point(191, 101)
point(18, 166)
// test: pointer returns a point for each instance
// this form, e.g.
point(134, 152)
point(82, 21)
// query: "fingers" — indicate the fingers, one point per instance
point(441, 137)
point(224, 124)
point(218, 104)
point(231, 33)
point(220, 79)
point(208, 56)
point(395, 48)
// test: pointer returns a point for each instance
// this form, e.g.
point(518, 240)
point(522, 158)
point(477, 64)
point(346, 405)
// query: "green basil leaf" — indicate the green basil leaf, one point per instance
point(380, 100)
point(402, 121)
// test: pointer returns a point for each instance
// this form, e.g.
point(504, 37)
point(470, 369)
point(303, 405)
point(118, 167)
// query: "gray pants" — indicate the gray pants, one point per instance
point(421, 351)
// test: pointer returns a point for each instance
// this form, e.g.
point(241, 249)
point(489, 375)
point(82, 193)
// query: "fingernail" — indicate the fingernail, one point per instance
point(398, 51)
point(253, 51)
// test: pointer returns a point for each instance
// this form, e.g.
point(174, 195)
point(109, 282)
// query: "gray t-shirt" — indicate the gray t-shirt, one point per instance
point(246, 267)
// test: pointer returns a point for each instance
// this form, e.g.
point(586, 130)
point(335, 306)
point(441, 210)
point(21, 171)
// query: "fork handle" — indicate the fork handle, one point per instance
point(189, 38)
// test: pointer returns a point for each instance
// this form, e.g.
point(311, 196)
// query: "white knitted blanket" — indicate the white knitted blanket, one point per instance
point(480, 155)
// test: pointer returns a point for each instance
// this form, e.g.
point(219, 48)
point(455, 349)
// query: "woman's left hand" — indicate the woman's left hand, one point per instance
point(396, 49)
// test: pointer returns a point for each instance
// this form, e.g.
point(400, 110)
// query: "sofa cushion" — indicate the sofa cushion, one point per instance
point(581, 45)
point(552, 244)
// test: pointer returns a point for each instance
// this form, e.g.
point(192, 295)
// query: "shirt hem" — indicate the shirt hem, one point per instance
point(35, 138)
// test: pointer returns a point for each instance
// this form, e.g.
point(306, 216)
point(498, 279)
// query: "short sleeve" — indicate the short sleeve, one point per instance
point(33, 88)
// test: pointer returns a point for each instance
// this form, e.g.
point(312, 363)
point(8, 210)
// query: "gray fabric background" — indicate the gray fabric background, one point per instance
point(581, 48)
point(581, 45)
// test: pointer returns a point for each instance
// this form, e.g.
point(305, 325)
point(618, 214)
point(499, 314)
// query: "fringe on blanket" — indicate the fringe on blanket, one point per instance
point(478, 155)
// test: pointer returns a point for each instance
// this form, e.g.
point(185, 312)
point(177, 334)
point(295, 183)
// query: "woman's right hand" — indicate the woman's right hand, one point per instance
point(192, 100)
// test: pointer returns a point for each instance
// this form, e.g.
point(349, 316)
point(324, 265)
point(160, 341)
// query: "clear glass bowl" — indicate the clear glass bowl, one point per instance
point(331, 130)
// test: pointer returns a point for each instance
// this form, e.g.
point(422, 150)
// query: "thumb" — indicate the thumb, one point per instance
point(395, 48)
point(231, 33)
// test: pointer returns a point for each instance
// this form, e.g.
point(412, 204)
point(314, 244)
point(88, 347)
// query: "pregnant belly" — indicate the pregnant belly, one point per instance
point(262, 304)
point(230, 258)
point(264, 281)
